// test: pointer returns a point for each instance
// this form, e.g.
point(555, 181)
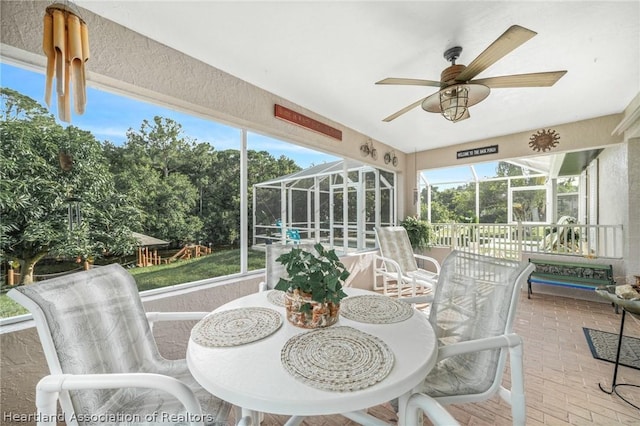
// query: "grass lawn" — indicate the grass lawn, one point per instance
point(216, 264)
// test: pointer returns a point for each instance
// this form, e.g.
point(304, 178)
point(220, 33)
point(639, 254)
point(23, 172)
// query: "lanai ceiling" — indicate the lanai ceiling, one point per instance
point(326, 56)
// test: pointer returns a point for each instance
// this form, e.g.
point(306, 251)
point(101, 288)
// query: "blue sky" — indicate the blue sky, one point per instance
point(108, 116)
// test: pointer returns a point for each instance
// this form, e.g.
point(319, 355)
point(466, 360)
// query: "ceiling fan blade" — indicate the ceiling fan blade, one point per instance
point(409, 82)
point(508, 41)
point(538, 79)
point(403, 110)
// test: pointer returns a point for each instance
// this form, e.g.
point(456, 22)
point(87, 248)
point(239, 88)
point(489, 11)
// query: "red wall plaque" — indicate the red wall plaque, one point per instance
point(286, 114)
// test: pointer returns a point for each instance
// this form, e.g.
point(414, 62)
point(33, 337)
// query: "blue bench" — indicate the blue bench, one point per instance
point(584, 276)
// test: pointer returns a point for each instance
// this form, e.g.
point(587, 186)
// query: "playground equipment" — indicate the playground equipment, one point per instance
point(190, 251)
point(148, 256)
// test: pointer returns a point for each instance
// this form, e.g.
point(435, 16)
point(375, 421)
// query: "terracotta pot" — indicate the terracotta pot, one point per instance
point(321, 314)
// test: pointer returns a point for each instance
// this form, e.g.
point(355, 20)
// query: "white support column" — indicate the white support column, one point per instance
point(331, 214)
point(552, 200)
point(316, 211)
point(283, 212)
point(361, 205)
point(244, 222)
point(254, 214)
point(309, 215)
point(345, 207)
point(477, 202)
point(289, 220)
point(378, 201)
point(582, 198)
point(428, 203)
point(509, 202)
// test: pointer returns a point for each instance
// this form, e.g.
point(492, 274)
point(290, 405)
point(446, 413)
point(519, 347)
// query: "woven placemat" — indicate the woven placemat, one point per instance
point(276, 297)
point(236, 327)
point(375, 309)
point(337, 358)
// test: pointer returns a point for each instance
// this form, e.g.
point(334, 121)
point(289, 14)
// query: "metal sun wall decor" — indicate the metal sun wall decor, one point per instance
point(544, 140)
point(65, 42)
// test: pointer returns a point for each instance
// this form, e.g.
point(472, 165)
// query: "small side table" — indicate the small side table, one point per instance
point(633, 308)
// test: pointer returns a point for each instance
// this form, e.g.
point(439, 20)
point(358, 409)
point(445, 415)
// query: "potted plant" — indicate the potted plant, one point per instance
point(313, 289)
point(419, 232)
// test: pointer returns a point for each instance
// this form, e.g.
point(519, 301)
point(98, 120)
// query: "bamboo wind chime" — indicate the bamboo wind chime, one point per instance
point(66, 44)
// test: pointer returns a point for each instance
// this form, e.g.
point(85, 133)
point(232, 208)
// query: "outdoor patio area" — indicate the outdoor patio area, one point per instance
point(561, 375)
point(244, 221)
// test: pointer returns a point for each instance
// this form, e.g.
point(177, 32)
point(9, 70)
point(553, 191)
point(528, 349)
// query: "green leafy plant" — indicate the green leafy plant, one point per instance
point(419, 232)
point(320, 276)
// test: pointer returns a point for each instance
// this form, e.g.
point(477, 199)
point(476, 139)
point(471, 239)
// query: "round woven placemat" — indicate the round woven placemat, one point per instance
point(236, 327)
point(375, 309)
point(276, 297)
point(337, 359)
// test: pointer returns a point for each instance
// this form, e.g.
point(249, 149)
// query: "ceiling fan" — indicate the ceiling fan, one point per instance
point(458, 90)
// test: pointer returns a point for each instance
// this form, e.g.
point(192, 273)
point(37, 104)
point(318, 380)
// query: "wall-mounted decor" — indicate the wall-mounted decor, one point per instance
point(491, 149)
point(368, 149)
point(544, 140)
point(65, 43)
point(301, 120)
point(390, 157)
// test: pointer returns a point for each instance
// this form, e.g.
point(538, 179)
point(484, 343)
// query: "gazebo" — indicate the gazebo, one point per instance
point(311, 205)
point(148, 249)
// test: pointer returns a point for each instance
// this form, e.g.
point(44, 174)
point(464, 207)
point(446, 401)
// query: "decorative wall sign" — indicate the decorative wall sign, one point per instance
point(544, 140)
point(491, 149)
point(301, 120)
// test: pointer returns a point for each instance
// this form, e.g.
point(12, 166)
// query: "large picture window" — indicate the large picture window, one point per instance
point(150, 187)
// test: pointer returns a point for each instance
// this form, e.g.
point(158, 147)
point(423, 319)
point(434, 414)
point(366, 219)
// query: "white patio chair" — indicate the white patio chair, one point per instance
point(104, 364)
point(397, 262)
point(275, 270)
point(472, 312)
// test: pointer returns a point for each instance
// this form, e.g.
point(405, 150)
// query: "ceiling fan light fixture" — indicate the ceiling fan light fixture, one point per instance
point(453, 101)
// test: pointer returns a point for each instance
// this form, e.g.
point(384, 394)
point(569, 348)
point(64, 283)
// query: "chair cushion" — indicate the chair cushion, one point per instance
point(152, 407)
point(394, 244)
point(462, 375)
point(424, 278)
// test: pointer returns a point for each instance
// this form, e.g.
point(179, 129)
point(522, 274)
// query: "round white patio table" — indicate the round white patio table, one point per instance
point(252, 376)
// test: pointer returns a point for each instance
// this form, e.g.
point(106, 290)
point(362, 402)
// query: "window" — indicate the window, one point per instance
point(175, 177)
point(529, 204)
point(567, 190)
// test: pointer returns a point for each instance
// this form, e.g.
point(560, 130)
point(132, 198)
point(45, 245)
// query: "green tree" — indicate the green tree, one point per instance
point(162, 145)
point(42, 167)
point(222, 203)
point(161, 170)
point(493, 201)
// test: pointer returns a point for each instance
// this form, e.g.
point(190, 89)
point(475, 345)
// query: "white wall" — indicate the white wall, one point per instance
point(612, 173)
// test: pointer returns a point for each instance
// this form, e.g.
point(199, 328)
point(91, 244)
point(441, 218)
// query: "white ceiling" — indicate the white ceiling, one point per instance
point(326, 56)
